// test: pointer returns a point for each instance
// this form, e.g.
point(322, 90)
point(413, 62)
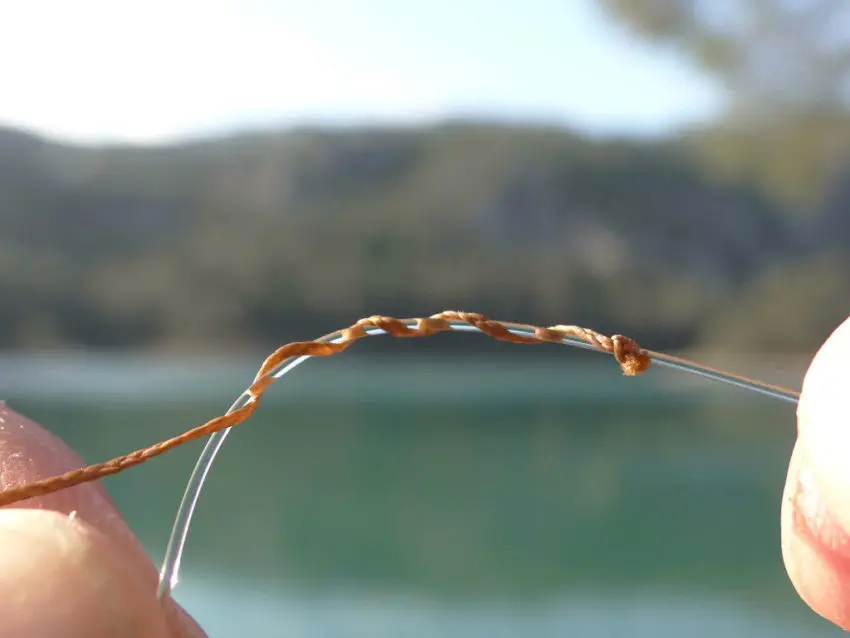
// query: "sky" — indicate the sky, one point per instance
point(157, 71)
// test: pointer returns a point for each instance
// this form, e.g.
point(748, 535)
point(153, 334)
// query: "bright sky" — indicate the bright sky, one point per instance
point(157, 70)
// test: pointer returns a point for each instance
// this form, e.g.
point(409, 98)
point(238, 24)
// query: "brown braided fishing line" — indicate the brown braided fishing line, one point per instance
point(632, 358)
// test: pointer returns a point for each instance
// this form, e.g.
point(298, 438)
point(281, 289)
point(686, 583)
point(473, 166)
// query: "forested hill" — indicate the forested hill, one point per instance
point(254, 239)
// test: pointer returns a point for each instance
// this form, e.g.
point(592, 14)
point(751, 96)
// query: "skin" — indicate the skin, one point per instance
point(816, 503)
point(71, 567)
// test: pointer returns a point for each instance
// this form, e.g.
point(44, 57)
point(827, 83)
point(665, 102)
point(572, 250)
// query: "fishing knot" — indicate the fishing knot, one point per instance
point(633, 359)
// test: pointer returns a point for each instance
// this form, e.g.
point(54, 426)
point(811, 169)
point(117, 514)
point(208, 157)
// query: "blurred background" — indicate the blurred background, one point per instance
point(184, 186)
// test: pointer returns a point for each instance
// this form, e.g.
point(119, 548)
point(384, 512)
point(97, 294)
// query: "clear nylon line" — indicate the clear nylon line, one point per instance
point(169, 573)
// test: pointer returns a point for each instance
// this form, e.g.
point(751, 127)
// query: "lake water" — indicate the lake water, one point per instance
point(425, 498)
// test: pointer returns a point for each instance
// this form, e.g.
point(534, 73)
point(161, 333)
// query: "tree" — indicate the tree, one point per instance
point(785, 68)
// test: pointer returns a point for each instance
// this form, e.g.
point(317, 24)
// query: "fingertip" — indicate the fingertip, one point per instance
point(815, 548)
point(79, 519)
point(826, 383)
point(62, 577)
point(29, 452)
point(816, 499)
point(823, 421)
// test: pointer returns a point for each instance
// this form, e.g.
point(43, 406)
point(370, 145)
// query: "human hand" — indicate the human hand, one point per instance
point(69, 565)
point(816, 502)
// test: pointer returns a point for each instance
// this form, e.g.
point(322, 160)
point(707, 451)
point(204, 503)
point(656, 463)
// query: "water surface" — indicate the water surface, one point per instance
point(477, 498)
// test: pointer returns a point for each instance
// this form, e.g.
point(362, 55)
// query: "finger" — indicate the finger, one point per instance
point(62, 577)
point(816, 503)
point(815, 547)
point(824, 421)
point(28, 452)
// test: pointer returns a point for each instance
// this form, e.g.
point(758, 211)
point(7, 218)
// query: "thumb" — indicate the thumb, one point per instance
point(816, 505)
point(69, 564)
point(62, 577)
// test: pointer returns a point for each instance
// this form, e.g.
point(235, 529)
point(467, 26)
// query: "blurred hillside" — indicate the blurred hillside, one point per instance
point(256, 239)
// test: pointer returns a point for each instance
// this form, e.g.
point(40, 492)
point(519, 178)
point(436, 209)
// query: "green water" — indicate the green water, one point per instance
point(455, 499)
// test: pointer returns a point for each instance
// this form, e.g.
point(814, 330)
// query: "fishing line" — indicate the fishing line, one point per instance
point(633, 361)
point(275, 369)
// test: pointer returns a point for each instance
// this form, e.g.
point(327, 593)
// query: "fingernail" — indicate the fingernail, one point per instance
point(815, 520)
